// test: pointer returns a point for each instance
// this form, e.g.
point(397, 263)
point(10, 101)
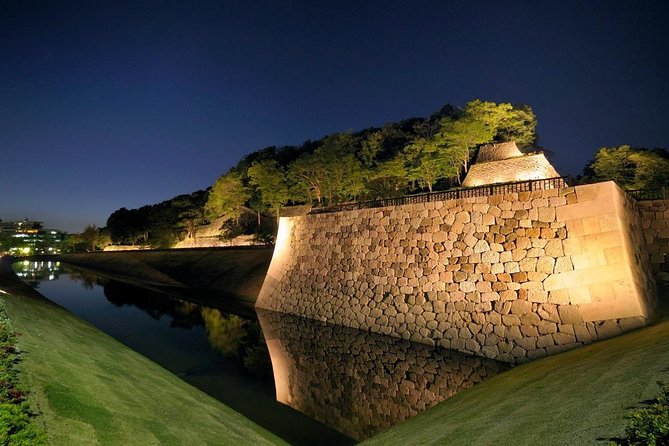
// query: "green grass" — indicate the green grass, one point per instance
point(579, 397)
point(90, 389)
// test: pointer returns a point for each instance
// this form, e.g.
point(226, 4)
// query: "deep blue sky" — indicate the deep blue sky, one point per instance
point(109, 104)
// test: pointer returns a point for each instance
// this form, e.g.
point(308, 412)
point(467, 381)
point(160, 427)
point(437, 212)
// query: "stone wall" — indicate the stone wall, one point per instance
point(655, 224)
point(511, 277)
point(496, 152)
point(528, 167)
point(359, 382)
point(218, 273)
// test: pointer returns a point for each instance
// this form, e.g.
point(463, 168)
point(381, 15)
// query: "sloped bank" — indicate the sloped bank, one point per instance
point(90, 389)
point(206, 276)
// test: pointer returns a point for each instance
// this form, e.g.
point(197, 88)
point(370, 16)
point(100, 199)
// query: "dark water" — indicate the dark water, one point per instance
point(334, 385)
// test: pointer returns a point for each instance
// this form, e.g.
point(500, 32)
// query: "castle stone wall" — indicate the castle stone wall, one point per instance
point(655, 224)
point(511, 277)
point(529, 167)
point(496, 152)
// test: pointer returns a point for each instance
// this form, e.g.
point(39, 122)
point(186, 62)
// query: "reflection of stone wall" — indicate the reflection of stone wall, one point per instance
point(511, 277)
point(655, 221)
point(358, 382)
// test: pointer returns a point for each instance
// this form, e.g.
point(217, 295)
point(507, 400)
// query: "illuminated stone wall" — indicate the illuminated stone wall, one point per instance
point(496, 152)
point(655, 224)
point(529, 167)
point(511, 277)
point(359, 382)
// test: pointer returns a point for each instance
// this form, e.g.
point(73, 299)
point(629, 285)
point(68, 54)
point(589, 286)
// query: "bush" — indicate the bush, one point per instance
point(649, 426)
point(15, 427)
point(15, 415)
point(264, 237)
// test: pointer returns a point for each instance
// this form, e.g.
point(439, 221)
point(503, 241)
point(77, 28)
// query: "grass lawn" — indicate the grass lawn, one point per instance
point(91, 389)
point(575, 398)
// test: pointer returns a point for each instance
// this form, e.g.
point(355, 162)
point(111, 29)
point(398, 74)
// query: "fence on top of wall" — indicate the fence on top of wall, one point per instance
point(479, 191)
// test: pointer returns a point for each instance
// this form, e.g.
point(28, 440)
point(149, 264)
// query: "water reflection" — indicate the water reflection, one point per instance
point(355, 382)
point(213, 349)
point(231, 335)
point(358, 382)
point(35, 271)
point(87, 279)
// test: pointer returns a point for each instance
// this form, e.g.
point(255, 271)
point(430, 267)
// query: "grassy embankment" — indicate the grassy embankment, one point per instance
point(90, 389)
point(575, 398)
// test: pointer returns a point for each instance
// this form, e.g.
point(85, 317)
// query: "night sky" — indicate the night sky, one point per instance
point(109, 104)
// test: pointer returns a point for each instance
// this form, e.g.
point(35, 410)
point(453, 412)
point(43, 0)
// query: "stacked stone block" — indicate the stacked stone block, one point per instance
point(359, 382)
point(655, 223)
point(511, 277)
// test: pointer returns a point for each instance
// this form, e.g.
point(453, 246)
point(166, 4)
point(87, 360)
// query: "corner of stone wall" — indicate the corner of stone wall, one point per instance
point(638, 259)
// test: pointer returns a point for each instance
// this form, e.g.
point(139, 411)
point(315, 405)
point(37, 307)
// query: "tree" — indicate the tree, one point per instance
point(128, 226)
point(256, 205)
point(270, 180)
point(426, 128)
point(430, 161)
point(6, 242)
point(506, 122)
point(332, 172)
point(371, 147)
point(306, 174)
point(188, 212)
point(94, 238)
point(462, 136)
point(189, 220)
point(162, 235)
point(388, 179)
point(631, 168)
point(383, 144)
point(227, 197)
point(343, 178)
point(104, 238)
point(342, 172)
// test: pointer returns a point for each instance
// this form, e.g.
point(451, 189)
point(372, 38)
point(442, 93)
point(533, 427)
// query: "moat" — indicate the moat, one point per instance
point(335, 385)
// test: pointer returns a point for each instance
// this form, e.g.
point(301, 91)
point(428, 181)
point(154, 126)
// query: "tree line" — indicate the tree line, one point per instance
point(157, 225)
point(410, 156)
point(413, 155)
point(632, 168)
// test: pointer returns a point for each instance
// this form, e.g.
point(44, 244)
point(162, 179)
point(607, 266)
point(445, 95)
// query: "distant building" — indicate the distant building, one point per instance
point(504, 163)
point(23, 226)
point(29, 237)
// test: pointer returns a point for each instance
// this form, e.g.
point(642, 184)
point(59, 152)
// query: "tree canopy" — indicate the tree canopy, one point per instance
point(506, 122)
point(413, 155)
point(158, 225)
point(270, 180)
point(632, 168)
point(227, 197)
